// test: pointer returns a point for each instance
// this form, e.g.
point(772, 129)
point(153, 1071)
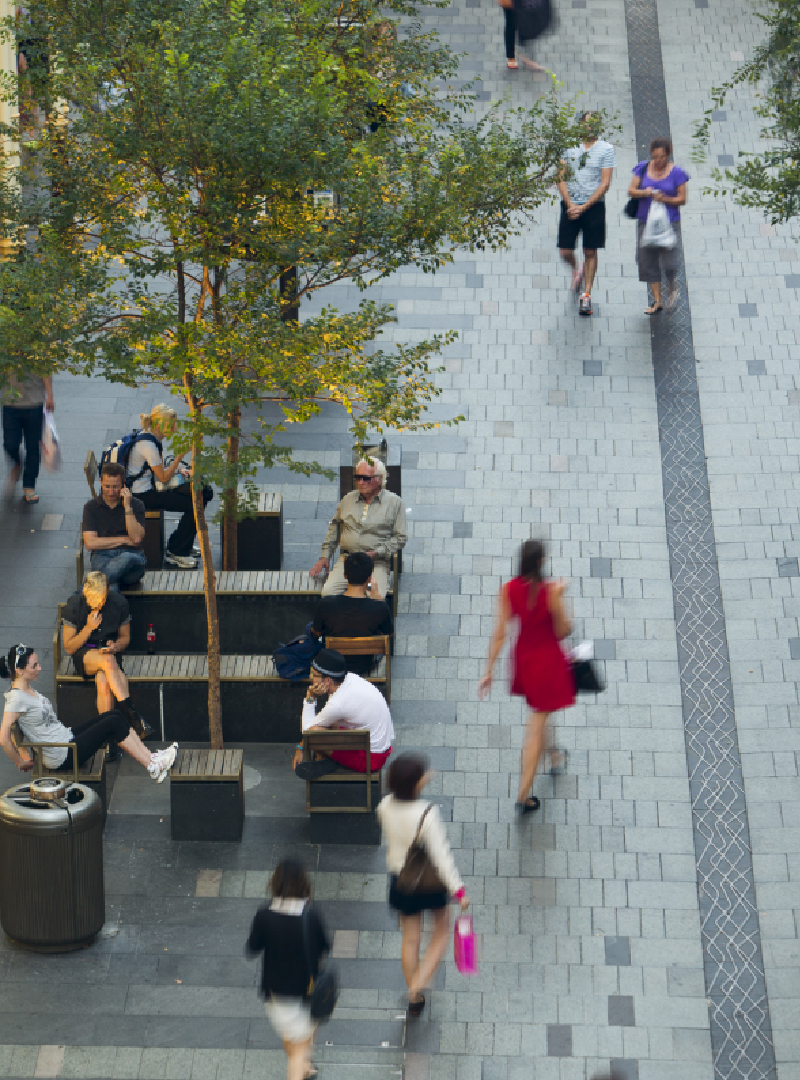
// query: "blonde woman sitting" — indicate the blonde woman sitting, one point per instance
point(146, 465)
point(96, 630)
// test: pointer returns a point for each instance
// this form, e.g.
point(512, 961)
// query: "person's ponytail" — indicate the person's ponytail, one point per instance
point(5, 672)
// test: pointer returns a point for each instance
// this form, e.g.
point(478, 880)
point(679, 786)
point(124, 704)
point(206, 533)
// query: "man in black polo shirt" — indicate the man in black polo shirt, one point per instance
point(360, 611)
point(113, 529)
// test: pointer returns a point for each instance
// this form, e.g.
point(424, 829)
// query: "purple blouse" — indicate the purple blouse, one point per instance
point(668, 184)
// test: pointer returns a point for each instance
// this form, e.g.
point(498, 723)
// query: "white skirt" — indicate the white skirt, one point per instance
point(291, 1018)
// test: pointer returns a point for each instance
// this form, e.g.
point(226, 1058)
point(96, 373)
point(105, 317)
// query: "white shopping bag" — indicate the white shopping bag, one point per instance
point(51, 451)
point(657, 229)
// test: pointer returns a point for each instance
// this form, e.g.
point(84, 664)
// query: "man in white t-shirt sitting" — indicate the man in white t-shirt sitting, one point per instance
point(352, 703)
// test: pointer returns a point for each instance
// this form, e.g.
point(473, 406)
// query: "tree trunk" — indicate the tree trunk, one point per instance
point(230, 523)
point(209, 587)
point(290, 309)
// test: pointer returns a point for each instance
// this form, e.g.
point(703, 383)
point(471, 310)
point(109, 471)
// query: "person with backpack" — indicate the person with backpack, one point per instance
point(142, 453)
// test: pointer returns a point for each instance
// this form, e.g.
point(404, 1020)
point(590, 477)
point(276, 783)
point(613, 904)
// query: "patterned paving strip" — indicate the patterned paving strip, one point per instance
point(741, 1031)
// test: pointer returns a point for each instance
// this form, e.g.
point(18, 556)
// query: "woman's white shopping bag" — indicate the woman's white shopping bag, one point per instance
point(51, 451)
point(658, 231)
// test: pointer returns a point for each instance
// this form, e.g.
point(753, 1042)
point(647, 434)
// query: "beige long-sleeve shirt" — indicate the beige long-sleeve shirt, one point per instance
point(399, 822)
point(378, 526)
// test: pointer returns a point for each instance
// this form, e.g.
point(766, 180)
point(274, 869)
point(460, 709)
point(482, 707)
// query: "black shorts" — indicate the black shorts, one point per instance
point(77, 660)
point(592, 223)
point(416, 903)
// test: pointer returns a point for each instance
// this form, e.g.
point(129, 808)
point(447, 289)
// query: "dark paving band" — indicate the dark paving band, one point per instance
point(741, 1031)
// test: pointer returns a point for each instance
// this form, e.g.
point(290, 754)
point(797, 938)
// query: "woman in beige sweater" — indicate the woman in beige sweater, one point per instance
point(402, 815)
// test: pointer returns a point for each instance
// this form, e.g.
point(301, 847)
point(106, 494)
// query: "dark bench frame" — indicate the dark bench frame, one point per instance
point(332, 740)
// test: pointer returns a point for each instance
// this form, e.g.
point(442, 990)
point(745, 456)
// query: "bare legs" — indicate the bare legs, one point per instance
point(419, 973)
point(298, 1058)
point(655, 286)
point(532, 750)
point(134, 746)
point(110, 680)
point(589, 268)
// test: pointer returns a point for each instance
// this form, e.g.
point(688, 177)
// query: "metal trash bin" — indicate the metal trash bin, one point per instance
point(51, 864)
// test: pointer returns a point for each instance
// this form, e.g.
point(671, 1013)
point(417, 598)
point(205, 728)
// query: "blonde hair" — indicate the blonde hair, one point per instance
point(95, 586)
point(378, 466)
point(160, 415)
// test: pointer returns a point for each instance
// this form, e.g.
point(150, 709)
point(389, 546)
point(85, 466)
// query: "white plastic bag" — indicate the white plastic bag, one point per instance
point(658, 231)
point(51, 451)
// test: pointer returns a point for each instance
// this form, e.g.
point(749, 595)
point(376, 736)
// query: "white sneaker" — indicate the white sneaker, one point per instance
point(185, 562)
point(161, 762)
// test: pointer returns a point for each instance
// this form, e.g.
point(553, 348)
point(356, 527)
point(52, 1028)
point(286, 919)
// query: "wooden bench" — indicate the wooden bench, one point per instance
point(154, 530)
point(367, 646)
point(341, 804)
point(92, 773)
point(260, 538)
point(258, 609)
point(206, 795)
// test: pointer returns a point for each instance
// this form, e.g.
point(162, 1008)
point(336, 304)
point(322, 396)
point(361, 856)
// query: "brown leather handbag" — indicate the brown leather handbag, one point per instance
point(419, 875)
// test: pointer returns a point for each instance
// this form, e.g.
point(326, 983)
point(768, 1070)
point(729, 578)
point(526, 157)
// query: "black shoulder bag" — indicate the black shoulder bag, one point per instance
point(323, 990)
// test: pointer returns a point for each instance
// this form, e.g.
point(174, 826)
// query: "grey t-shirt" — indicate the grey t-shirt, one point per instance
point(23, 393)
point(39, 723)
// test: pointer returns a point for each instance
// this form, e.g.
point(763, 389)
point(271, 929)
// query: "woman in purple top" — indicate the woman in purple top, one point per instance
point(660, 179)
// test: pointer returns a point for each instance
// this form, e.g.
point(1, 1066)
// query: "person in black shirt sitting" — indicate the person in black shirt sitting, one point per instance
point(113, 529)
point(360, 611)
point(277, 933)
point(96, 630)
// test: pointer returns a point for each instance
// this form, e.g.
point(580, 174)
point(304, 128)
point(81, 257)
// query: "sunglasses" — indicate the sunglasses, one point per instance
point(21, 650)
point(361, 476)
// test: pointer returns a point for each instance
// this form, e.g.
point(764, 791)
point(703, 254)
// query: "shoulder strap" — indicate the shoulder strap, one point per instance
point(421, 823)
point(304, 920)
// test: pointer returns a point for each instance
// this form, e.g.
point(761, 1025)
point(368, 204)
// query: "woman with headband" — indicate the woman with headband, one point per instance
point(39, 724)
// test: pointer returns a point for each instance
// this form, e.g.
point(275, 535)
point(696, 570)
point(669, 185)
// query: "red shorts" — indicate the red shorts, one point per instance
point(357, 759)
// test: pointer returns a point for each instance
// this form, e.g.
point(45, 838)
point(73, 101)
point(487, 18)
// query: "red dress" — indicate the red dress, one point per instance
point(540, 671)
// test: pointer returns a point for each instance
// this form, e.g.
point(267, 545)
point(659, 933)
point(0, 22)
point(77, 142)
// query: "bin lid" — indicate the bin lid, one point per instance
point(19, 810)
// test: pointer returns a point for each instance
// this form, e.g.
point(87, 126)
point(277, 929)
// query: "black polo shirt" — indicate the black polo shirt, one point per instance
point(98, 517)
point(352, 616)
point(114, 614)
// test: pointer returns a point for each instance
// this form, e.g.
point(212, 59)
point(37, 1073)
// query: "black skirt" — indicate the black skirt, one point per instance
point(77, 662)
point(418, 902)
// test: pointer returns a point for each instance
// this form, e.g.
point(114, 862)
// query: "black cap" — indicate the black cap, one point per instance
point(329, 662)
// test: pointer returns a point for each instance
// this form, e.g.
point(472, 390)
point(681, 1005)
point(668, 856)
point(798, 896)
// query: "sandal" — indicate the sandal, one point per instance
point(30, 497)
point(654, 309)
point(512, 65)
point(530, 806)
point(415, 1007)
point(673, 296)
point(311, 1073)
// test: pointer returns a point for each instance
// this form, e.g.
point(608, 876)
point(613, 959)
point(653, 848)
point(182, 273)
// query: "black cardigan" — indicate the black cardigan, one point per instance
point(280, 938)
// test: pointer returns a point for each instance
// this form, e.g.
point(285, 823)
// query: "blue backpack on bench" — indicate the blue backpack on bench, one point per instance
point(293, 661)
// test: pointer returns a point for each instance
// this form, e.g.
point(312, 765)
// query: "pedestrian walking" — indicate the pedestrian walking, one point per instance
point(39, 724)
point(510, 33)
point(532, 18)
point(659, 180)
point(24, 402)
point(540, 670)
point(587, 171)
point(291, 937)
point(423, 876)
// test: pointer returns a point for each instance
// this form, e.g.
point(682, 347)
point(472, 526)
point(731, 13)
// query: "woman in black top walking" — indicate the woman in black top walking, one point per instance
point(277, 932)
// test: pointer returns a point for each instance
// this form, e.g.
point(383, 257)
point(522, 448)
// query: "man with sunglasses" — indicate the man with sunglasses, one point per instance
point(371, 519)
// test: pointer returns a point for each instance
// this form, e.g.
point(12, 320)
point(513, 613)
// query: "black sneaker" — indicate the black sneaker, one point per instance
point(585, 306)
point(312, 770)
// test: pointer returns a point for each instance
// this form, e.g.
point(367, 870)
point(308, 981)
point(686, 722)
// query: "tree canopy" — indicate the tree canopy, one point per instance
point(768, 180)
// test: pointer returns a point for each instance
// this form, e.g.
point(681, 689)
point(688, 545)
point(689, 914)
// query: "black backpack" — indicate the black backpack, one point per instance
point(120, 451)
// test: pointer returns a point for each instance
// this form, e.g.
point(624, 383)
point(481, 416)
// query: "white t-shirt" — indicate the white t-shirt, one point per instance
point(143, 452)
point(356, 704)
point(39, 723)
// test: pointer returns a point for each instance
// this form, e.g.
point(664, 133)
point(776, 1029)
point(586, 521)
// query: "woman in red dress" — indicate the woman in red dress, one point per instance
point(540, 671)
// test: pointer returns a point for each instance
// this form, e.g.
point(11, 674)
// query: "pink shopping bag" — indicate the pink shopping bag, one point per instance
point(465, 946)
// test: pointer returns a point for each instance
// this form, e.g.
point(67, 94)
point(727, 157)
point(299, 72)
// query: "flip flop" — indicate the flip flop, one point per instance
point(30, 497)
point(512, 65)
point(654, 309)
